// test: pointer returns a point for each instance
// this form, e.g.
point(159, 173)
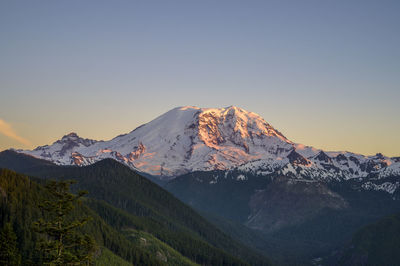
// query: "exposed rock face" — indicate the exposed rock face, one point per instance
point(287, 202)
point(182, 140)
point(297, 159)
point(61, 151)
point(188, 139)
point(137, 151)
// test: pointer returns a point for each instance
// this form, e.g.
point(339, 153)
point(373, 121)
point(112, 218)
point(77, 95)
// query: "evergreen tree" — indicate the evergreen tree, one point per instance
point(9, 253)
point(62, 244)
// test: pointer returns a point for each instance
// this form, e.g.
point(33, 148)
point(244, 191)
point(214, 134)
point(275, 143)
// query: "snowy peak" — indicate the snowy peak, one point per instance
point(323, 157)
point(181, 140)
point(189, 138)
point(71, 135)
point(296, 159)
point(73, 139)
point(61, 150)
point(233, 125)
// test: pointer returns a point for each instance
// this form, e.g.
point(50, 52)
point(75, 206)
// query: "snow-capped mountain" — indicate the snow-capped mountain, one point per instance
point(188, 139)
point(61, 152)
point(182, 140)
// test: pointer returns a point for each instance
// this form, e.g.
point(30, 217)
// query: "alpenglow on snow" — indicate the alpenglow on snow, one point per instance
point(189, 138)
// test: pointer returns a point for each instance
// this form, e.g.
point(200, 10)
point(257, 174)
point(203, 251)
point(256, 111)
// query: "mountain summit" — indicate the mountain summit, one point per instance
point(187, 139)
point(182, 140)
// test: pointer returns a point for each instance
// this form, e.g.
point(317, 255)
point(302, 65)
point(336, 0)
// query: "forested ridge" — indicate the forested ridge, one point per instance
point(19, 202)
point(120, 199)
point(375, 244)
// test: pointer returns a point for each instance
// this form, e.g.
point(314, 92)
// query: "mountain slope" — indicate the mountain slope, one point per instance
point(231, 163)
point(188, 139)
point(375, 244)
point(296, 219)
point(154, 209)
point(19, 201)
point(182, 140)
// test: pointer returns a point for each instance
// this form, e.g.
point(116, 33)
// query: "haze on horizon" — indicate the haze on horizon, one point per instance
point(324, 73)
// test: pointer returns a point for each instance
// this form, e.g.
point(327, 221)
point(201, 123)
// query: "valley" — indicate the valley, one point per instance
point(277, 199)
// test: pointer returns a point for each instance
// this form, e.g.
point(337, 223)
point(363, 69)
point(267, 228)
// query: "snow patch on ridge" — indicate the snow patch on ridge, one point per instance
point(187, 139)
point(182, 140)
point(386, 186)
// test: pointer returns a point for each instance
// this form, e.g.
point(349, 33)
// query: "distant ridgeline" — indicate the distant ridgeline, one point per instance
point(289, 201)
point(375, 244)
point(134, 221)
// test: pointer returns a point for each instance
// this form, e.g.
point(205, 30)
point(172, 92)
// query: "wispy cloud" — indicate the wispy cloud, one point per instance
point(7, 130)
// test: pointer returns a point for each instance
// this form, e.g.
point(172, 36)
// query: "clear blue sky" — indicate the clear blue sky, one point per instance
point(325, 73)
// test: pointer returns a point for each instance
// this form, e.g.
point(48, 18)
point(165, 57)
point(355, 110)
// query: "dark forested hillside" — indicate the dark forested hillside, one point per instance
point(294, 221)
point(19, 202)
point(22, 163)
point(326, 214)
point(129, 200)
point(375, 244)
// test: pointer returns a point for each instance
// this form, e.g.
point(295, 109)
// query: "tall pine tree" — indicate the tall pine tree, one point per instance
point(9, 253)
point(62, 244)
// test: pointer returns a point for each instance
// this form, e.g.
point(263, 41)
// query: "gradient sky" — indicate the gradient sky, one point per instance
point(324, 73)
